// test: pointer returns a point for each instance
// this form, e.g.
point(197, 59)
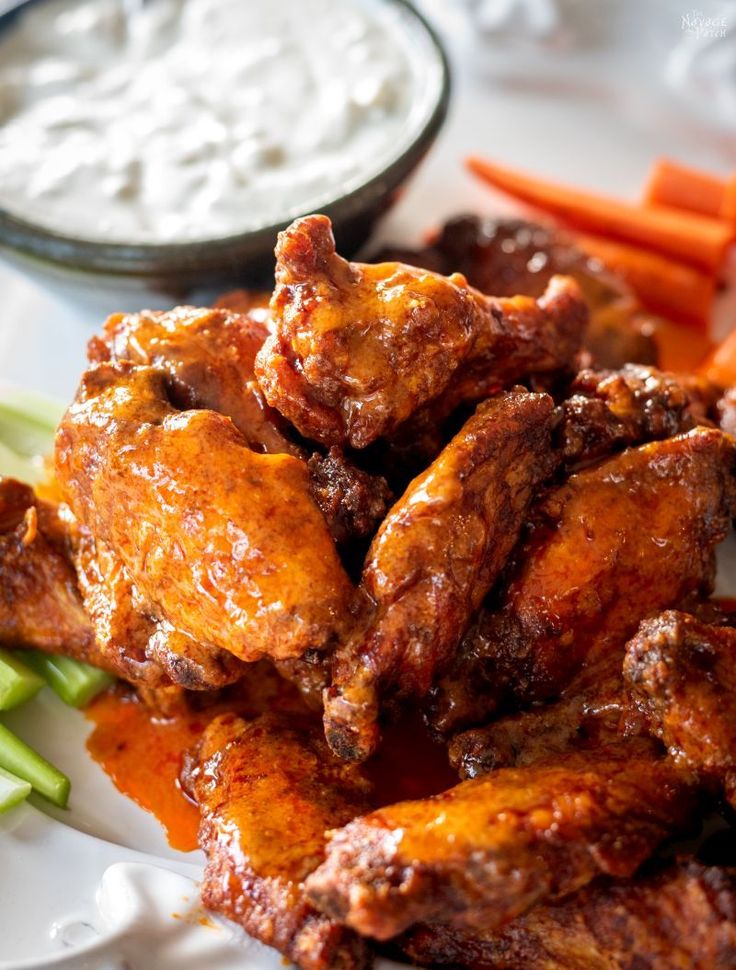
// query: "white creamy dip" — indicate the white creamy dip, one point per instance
point(176, 120)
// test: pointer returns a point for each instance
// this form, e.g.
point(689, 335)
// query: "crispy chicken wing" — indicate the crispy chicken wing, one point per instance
point(492, 847)
point(586, 715)
point(358, 348)
point(434, 558)
point(40, 604)
point(607, 410)
point(208, 357)
point(509, 256)
point(682, 918)
point(268, 790)
point(222, 544)
point(682, 677)
point(627, 537)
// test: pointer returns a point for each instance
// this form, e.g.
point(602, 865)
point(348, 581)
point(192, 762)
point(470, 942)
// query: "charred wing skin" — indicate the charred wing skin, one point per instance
point(489, 849)
point(225, 545)
point(681, 676)
point(358, 348)
point(268, 791)
point(609, 410)
point(684, 917)
point(619, 540)
point(436, 555)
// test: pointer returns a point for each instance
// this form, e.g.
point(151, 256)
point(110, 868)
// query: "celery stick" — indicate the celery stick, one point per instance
point(13, 790)
point(21, 760)
point(18, 683)
point(76, 683)
point(13, 465)
point(28, 422)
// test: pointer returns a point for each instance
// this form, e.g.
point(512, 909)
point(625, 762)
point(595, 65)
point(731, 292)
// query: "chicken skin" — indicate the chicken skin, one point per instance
point(588, 714)
point(681, 674)
point(358, 348)
point(627, 537)
point(40, 604)
point(436, 555)
point(208, 357)
point(681, 918)
point(142, 650)
point(268, 790)
point(608, 410)
point(224, 545)
point(509, 256)
point(487, 850)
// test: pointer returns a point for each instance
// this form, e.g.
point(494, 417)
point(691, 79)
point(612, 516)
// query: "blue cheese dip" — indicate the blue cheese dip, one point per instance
point(179, 120)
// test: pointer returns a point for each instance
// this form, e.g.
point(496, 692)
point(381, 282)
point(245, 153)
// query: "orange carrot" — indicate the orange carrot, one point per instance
point(720, 366)
point(728, 208)
point(694, 239)
point(680, 349)
point(682, 187)
point(665, 286)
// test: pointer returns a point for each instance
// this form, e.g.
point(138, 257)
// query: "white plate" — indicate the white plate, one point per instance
point(95, 888)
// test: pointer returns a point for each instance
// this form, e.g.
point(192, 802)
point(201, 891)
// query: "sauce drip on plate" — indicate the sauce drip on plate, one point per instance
point(143, 752)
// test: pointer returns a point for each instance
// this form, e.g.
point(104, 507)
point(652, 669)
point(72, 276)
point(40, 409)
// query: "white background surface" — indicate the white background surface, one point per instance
point(590, 106)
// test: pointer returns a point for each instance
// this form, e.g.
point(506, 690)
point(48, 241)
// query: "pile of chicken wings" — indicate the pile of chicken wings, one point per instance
point(481, 506)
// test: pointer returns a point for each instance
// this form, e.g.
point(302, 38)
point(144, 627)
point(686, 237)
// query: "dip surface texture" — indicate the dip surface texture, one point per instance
point(181, 120)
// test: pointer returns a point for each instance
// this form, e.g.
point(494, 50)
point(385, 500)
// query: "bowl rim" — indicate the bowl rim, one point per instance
point(154, 259)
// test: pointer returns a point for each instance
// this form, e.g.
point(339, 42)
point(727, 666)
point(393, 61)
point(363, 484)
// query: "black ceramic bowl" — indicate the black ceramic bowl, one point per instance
point(171, 271)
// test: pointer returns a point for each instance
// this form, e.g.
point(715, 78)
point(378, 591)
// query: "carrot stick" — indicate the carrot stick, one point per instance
point(720, 366)
point(682, 187)
point(691, 238)
point(728, 208)
point(680, 349)
point(665, 286)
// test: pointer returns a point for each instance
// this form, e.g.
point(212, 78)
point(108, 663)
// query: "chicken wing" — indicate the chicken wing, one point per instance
point(208, 357)
point(508, 256)
point(627, 537)
point(144, 651)
point(434, 558)
point(681, 918)
point(40, 604)
point(492, 847)
point(607, 410)
point(268, 790)
point(358, 348)
point(682, 677)
point(587, 714)
point(223, 544)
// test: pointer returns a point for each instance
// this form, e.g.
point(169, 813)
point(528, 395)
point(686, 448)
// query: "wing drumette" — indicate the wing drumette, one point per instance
point(436, 555)
point(357, 348)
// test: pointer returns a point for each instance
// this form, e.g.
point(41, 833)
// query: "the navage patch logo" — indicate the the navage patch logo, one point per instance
point(696, 24)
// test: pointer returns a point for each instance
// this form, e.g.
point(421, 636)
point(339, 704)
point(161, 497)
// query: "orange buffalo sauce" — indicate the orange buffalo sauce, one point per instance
point(143, 755)
point(143, 752)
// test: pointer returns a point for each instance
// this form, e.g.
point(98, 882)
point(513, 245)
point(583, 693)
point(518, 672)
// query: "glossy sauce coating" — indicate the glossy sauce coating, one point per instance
point(224, 544)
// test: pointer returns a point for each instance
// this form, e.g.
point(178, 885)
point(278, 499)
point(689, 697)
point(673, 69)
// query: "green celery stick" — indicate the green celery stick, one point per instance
point(13, 465)
point(76, 683)
point(13, 790)
point(21, 760)
point(28, 422)
point(18, 683)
